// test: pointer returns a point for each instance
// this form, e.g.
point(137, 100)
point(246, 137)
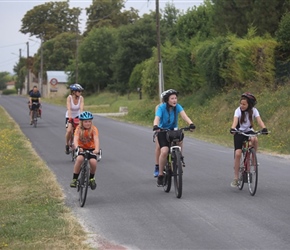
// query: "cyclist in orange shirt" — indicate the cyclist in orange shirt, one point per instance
point(86, 137)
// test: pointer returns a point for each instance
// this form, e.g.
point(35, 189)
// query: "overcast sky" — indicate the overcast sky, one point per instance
point(12, 11)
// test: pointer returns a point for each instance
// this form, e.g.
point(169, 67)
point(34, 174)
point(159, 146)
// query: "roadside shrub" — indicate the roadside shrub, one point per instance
point(9, 92)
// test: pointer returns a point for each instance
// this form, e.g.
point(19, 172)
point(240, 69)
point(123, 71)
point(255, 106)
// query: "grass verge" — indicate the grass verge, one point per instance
point(32, 210)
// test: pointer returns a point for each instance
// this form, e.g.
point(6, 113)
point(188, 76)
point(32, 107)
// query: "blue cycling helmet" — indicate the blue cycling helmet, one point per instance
point(86, 115)
point(75, 87)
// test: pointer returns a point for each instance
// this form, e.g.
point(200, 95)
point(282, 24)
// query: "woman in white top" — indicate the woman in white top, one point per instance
point(75, 106)
point(244, 121)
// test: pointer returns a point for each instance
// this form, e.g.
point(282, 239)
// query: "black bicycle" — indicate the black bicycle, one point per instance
point(35, 113)
point(175, 163)
point(83, 181)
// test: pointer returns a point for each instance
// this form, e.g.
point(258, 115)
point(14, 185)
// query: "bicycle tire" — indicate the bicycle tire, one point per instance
point(84, 183)
point(167, 178)
point(72, 154)
point(241, 179)
point(34, 118)
point(177, 173)
point(252, 172)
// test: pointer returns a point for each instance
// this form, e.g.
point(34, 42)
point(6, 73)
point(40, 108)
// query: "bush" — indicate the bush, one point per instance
point(9, 92)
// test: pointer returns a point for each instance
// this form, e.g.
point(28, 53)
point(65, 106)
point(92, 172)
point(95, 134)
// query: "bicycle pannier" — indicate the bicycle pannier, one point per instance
point(174, 135)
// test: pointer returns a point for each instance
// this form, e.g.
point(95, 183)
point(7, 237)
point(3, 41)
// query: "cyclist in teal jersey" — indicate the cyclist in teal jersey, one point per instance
point(166, 117)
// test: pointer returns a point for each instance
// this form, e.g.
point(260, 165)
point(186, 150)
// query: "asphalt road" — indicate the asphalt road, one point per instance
point(127, 207)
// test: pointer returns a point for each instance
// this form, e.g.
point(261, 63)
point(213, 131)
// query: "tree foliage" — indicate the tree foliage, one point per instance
point(95, 59)
point(4, 77)
point(108, 13)
point(50, 19)
point(236, 16)
point(135, 42)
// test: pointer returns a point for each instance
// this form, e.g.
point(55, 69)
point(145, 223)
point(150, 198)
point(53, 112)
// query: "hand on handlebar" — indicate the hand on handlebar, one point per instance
point(264, 131)
point(191, 127)
point(233, 131)
point(156, 128)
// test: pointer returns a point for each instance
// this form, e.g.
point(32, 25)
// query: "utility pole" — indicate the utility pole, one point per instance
point(41, 66)
point(160, 68)
point(28, 66)
point(77, 52)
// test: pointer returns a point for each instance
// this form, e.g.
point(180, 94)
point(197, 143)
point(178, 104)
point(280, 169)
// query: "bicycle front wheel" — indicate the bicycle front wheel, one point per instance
point(177, 173)
point(35, 118)
point(84, 183)
point(242, 173)
point(167, 178)
point(252, 171)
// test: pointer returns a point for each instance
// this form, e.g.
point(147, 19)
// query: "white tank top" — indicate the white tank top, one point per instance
point(74, 109)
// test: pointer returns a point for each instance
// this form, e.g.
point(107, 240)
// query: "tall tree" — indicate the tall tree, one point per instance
point(109, 13)
point(95, 59)
point(50, 19)
point(135, 43)
point(236, 16)
point(197, 21)
point(4, 77)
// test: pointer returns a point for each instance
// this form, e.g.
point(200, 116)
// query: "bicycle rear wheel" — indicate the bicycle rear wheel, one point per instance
point(177, 173)
point(167, 178)
point(252, 172)
point(83, 184)
point(241, 179)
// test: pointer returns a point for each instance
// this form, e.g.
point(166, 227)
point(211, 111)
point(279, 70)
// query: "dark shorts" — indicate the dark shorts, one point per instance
point(162, 139)
point(90, 156)
point(239, 139)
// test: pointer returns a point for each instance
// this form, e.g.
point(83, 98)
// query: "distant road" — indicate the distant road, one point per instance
point(127, 207)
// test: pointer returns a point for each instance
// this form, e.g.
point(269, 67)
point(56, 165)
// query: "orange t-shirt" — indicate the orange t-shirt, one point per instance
point(87, 142)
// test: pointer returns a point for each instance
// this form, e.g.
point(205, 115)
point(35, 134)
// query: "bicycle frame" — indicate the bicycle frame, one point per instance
point(174, 165)
point(84, 177)
point(35, 113)
point(248, 172)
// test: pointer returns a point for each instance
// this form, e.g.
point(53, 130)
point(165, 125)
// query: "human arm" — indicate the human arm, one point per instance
point(156, 123)
point(187, 119)
point(82, 104)
point(68, 106)
point(96, 142)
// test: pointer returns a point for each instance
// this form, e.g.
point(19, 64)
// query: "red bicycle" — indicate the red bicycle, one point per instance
point(249, 164)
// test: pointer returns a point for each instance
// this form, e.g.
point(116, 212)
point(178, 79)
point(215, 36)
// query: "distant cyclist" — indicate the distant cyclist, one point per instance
point(86, 137)
point(166, 117)
point(34, 101)
point(244, 121)
point(75, 105)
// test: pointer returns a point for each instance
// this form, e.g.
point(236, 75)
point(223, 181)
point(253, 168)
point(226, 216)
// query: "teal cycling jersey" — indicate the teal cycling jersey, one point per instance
point(168, 117)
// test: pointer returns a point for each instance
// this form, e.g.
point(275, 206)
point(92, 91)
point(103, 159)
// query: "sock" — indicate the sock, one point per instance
point(75, 176)
point(92, 176)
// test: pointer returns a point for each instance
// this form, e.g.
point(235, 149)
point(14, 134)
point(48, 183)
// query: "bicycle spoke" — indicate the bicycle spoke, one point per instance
point(252, 173)
point(177, 173)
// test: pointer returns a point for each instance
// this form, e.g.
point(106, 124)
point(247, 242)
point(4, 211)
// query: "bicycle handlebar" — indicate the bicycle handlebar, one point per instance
point(259, 132)
point(165, 130)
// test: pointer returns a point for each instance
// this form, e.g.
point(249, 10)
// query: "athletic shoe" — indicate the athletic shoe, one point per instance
point(156, 171)
point(93, 184)
point(73, 183)
point(160, 180)
point(234, 183)
point(67, 149)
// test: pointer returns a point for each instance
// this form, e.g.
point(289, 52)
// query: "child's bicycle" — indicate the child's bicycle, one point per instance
point(175, 163)
point(75, 122)
point(83, 181)
point(248, 172)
